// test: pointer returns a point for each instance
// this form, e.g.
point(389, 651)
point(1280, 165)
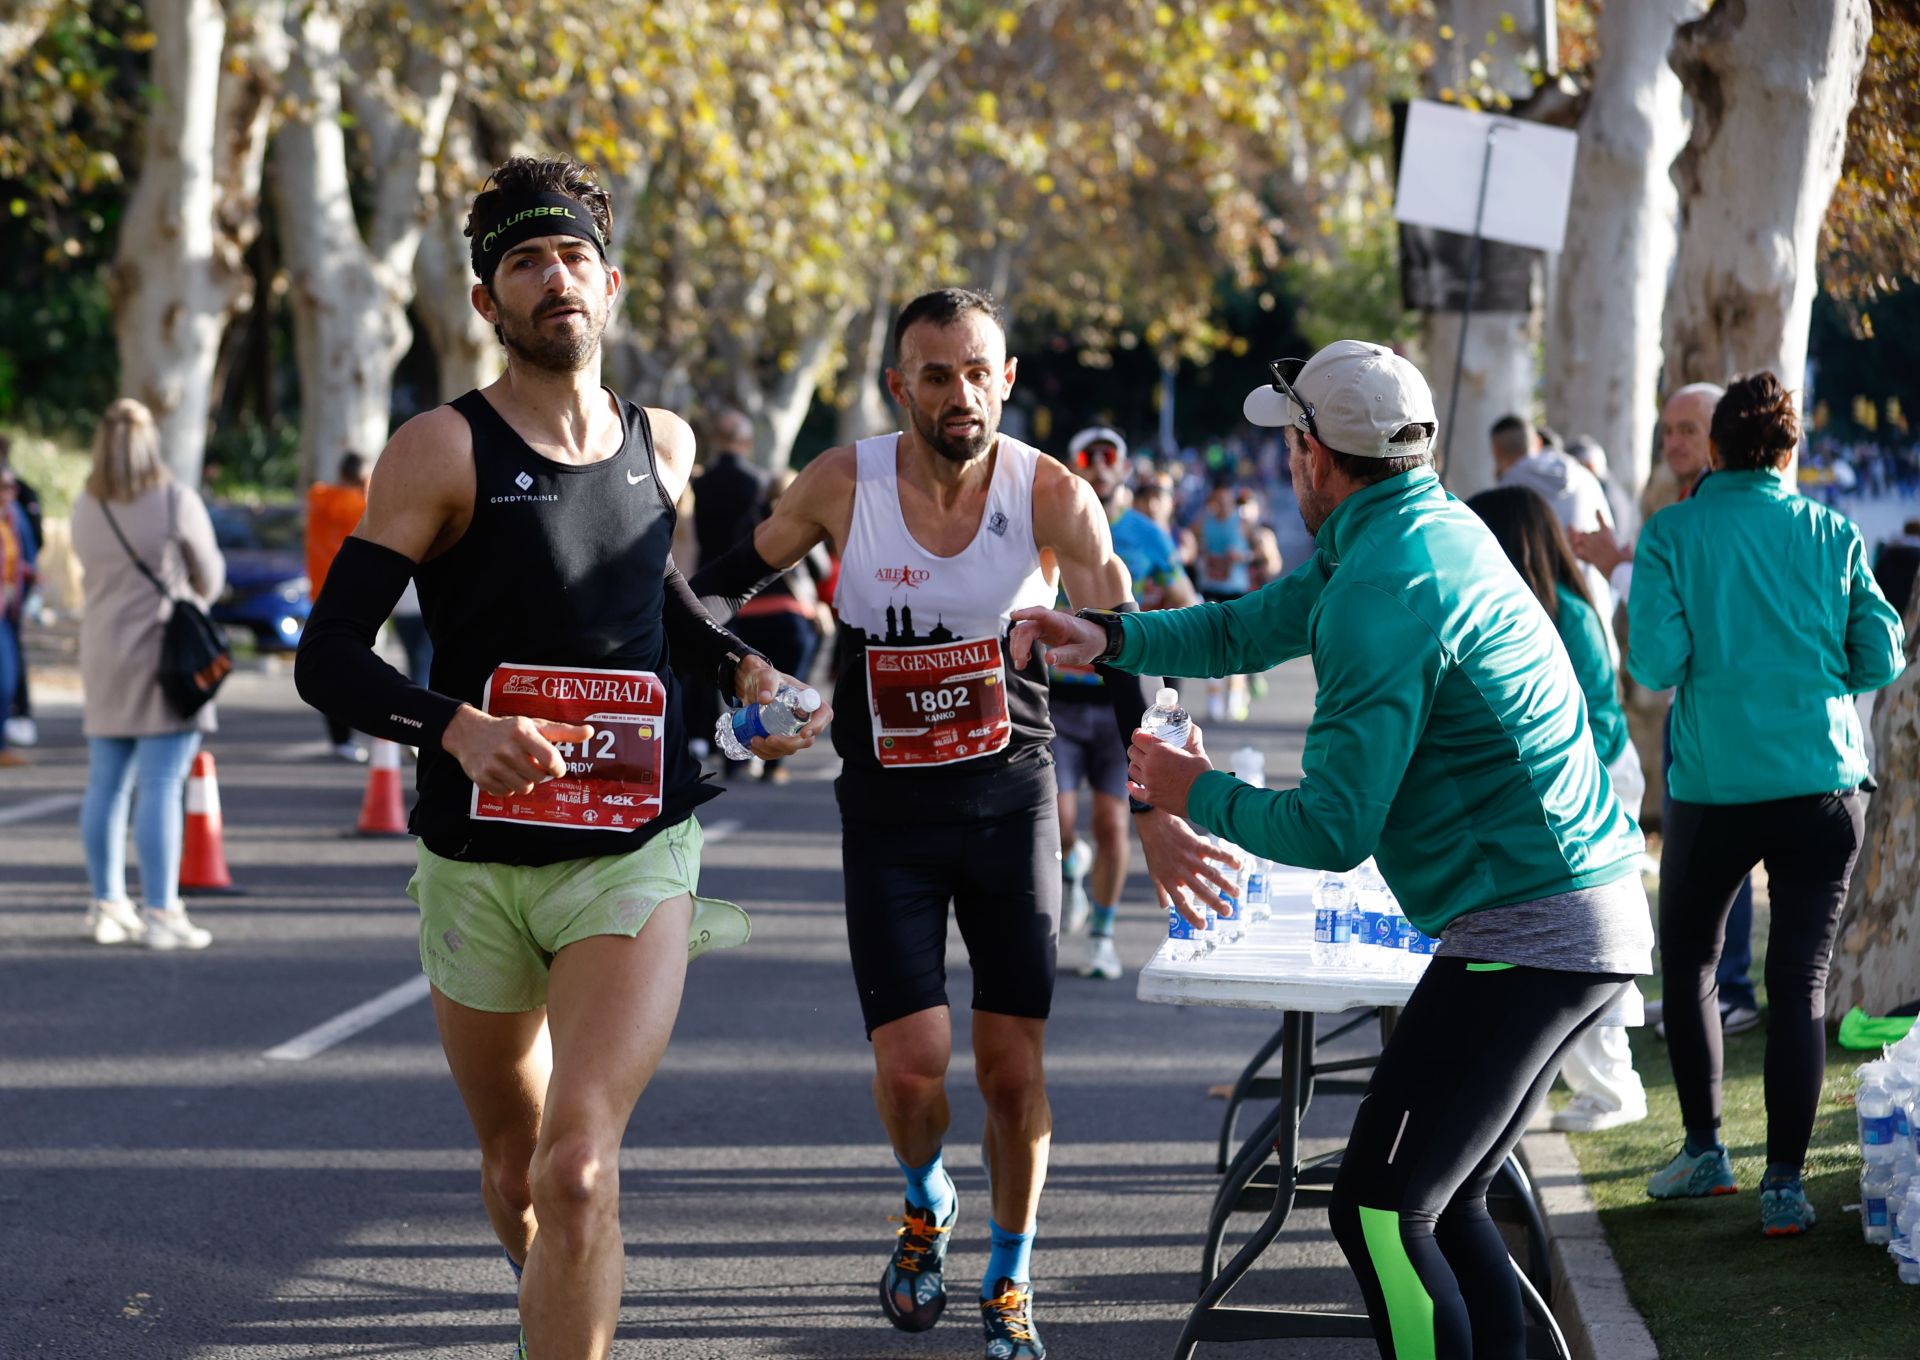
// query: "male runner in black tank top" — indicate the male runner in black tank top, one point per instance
point(556, 925)
point(981, 834)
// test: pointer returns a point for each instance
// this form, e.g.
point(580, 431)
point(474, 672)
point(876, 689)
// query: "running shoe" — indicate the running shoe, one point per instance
point(520, 1351)
point(1587, 1113)
point(913, 1291)
point(1103, 960)
point(1784, 1211)
point(170, 929)
point(1008, 1316)
point(1693, 1177)
point(113, 920)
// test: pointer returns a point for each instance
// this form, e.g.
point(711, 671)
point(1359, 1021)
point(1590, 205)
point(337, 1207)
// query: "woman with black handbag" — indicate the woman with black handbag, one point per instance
point(147, 547)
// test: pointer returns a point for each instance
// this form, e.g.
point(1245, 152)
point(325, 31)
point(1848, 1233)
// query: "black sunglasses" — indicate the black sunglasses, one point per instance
point(1284, 371)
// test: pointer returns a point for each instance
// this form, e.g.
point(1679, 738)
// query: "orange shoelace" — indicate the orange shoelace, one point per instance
point(910, 1251)
point(1012, 1307)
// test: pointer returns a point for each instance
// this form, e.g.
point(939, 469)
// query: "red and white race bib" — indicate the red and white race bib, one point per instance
point(612, 781)
point(938, 705)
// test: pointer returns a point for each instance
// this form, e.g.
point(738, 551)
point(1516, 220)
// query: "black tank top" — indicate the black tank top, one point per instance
point(562, 565)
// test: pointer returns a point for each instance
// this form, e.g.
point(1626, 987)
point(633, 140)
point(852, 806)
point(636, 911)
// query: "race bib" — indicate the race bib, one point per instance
point(938, 705)
point(612, 781)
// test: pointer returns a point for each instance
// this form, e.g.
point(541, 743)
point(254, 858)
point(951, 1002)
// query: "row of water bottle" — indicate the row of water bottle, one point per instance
point(1250, 902)
point(1888, 1107)
point(1358, 926)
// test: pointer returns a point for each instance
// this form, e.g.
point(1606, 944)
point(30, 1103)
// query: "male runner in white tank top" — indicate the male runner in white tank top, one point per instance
point(948, 790)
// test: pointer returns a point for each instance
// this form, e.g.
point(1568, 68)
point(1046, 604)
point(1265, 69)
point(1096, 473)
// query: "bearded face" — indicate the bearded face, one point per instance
point(552, 319)
point(953, 381)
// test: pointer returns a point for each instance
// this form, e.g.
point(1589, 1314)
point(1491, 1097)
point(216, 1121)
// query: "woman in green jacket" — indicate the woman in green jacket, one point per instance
point(1758, 607)
point(1598, 1068)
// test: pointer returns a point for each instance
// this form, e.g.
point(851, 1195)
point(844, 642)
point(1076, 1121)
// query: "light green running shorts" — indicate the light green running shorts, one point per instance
point(488, 932)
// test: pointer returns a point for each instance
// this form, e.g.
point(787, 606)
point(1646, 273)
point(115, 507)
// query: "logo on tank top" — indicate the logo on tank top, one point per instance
point(910, 577)
point(997, 524)
point(523, 481)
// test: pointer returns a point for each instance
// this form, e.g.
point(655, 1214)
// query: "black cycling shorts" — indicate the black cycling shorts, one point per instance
point(1001, 873)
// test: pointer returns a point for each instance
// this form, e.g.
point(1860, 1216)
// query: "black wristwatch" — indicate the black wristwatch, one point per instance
point(1109, 620)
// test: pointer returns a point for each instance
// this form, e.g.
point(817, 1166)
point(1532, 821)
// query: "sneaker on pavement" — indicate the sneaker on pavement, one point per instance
point(1008, 1316)
point(520, 1351)
point(1103, 960)
point(1693, 1177)
point(1784, 1211)
point(1074, 866)
point(22, 732)
point(170, 929)
point(112, 920)
point(913, 1290)
point(1587, 1113)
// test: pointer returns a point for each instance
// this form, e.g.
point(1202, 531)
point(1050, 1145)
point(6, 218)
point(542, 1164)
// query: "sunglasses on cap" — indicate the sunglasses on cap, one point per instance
point(1101, 452)
point(1284, 373)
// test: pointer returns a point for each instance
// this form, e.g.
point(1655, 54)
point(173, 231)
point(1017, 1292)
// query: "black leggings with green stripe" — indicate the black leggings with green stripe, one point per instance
point(1470, 1061)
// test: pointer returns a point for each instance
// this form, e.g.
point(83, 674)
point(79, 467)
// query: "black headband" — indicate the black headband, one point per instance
point(517, 217)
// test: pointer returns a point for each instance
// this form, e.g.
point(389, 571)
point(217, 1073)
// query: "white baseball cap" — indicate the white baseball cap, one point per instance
point(1357, 395)
point(1096, 434)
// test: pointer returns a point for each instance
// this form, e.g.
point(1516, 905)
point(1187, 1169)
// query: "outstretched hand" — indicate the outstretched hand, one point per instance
point(1070, 641)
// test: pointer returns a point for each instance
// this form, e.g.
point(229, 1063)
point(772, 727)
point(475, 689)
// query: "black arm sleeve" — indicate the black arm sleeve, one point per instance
point(701, 646)
point(733, 578)
point(337, 670)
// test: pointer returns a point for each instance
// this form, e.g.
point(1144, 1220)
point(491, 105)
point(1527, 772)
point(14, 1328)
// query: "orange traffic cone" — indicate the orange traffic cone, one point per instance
point(383, 812)
point(203, 857)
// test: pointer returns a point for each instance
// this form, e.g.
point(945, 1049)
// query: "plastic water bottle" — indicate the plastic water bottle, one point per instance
point(1256, 894)
point(1332, 921)
point(1166, 720)
point(1879, 1128)
point(1184, 943)
point(786, 713)
point(1232, 922)
point(1876, 1185)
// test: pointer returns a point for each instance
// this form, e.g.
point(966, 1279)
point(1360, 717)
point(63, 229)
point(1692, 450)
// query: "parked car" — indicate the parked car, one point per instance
point(267, 590)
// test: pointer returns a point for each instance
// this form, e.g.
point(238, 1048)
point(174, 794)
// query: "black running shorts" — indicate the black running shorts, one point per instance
point(1000, 871)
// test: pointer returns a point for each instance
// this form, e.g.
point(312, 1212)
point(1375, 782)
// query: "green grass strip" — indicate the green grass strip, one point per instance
point(1409, 1307)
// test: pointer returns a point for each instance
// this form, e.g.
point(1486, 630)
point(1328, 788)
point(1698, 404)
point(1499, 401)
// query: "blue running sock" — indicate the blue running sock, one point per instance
point(512, 1264)
point(1010, 1259)
point(1702, 1141)
point(930, 1187)
point(1103, 920)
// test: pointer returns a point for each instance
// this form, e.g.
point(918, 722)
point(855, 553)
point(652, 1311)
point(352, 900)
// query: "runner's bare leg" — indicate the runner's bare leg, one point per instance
point(910, 1057)
point(1019, 1133)
point(501, 1063)
point(611, 1006)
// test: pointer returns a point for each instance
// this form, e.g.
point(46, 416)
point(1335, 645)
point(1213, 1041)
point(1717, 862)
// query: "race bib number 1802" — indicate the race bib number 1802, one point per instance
point(938, 705)
point(612, 781)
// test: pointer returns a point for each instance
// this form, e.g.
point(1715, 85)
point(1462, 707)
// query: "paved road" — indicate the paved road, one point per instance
point(167, 1191)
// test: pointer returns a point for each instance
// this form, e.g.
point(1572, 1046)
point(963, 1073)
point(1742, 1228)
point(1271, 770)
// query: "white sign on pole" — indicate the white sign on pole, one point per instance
point(1529, 178)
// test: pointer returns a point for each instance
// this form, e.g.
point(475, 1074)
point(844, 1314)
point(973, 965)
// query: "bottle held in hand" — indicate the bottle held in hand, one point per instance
point(786, 713)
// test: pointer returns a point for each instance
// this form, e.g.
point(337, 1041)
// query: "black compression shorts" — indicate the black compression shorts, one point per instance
point(1001, 873)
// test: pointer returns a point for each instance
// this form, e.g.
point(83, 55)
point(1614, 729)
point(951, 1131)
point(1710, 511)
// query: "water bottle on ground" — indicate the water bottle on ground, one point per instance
point(786, 713)
point(1332, 923)
point(1879, 1142)
point(1876, 1185)
point(1166, 720)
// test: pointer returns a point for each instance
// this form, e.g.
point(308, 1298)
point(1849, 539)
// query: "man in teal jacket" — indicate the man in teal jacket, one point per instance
point(1449, 740)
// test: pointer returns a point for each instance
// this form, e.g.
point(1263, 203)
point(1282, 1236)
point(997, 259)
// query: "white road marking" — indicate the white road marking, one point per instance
point(349, 1023)
point(395, 999)
point(35, 808)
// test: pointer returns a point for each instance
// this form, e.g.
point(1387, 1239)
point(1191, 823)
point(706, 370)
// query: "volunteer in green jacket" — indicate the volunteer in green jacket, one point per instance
point(1760, 608)
point(1450, 741)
